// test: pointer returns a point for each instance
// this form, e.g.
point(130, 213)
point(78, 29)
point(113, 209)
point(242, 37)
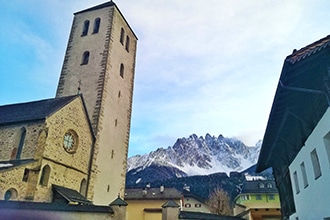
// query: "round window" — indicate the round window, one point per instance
point(70, 141)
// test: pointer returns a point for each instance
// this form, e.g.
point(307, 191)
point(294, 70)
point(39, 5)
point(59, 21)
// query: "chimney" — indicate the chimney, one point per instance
point(161, 189)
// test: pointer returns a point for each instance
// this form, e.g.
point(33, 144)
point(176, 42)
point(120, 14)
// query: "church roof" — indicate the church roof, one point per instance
point(32, 111)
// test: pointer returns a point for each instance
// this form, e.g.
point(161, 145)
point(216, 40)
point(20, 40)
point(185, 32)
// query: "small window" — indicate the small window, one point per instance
point(187, 205)
point(296, 183)
point(85, 58)
point(269, 185)
point(304, 175)
point(316, 164)
point(258, 197)
point(11, 194)
point(127, 43)
point(271, 197)
point(122, 35)
point(198, 205)
point(326, 141)
point(83, 187)
point(26, 175)
point(245, 197)
point(45, 174)
point(121, 70)
point(261, 185)
point(96, 28)
point(85, 28)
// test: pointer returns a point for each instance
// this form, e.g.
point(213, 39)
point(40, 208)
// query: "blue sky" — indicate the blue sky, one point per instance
point(202, 66)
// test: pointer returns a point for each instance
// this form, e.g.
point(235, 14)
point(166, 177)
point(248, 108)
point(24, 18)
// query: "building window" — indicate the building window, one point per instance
point(296, 183)
point(261, 185)
point(85, 28)
point(316, 164)
point(122, 35)
point(127, 43)
point(121, 70)
point(271, 197)
point(258, 197)
point(83, 187)
point(11, 194)
point(245, 197)
point(96, 28)
point(45, 173)
point(17, 150)
point(269, 185)
point(304, 175)
point(26, 175)
point(326, 141)
point(187, 205)
point(198, 205)
point(85, 58)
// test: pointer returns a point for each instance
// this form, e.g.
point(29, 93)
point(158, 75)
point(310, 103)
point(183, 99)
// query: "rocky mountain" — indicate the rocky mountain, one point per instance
point(192, 156)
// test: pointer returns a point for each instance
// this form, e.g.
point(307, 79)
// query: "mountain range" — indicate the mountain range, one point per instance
point(192, 156)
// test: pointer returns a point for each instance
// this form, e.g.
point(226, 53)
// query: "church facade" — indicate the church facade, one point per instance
point(73, 148)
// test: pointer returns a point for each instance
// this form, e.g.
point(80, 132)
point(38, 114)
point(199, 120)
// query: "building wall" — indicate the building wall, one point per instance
point(10, 136)
point(108, 96)
point(307, 198)
point(193, 205)
point(135, 209)
point(264, 202)
point(66, 169)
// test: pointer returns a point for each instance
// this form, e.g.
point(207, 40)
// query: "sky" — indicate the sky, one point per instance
point(201, 67)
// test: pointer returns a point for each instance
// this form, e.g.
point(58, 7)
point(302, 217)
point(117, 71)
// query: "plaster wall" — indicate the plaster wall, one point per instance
point(312, 201)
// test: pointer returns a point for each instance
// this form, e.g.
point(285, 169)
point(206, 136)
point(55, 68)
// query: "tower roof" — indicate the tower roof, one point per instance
point(104, 5)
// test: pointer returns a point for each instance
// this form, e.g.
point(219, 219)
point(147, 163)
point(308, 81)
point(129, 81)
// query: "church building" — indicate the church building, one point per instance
point(73, 148)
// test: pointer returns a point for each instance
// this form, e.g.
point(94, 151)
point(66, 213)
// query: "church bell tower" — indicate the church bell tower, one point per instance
point(99, 63)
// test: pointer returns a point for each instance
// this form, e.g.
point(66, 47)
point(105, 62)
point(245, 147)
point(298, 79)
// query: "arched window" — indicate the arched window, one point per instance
point(21, 143)
point(121, 70)
point(96, 28)
point(17, 150)
point(11, 194)
point(85, 28)
point(261, 185)
point(85, 58)
point(127, 43)
point(83, 187)
point(122, 35)
point(45, 173)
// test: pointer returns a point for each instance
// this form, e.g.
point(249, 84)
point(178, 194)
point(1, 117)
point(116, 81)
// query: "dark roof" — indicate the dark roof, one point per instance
point(170, 203)
point(53, 207)
point(205, 216)
point(32, 111)
point(187, 193)
point(4, 165)
point(300, 101)
point(118, 202)
point(152, 194)
point(259, 186)
point(70, 195)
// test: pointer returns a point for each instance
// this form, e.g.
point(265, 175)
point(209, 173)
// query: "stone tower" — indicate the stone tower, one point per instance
point(100, 63)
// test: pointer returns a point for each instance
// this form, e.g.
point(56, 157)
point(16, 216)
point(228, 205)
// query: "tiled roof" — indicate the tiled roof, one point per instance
point(205, 216)
point(118, 202)
point(152, 194)
point(259, 186)
point(298, 55)
point(170, 203)
point(32, 111)
point(71, 195)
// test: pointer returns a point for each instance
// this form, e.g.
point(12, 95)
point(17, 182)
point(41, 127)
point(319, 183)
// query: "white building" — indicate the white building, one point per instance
point(297, 139)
